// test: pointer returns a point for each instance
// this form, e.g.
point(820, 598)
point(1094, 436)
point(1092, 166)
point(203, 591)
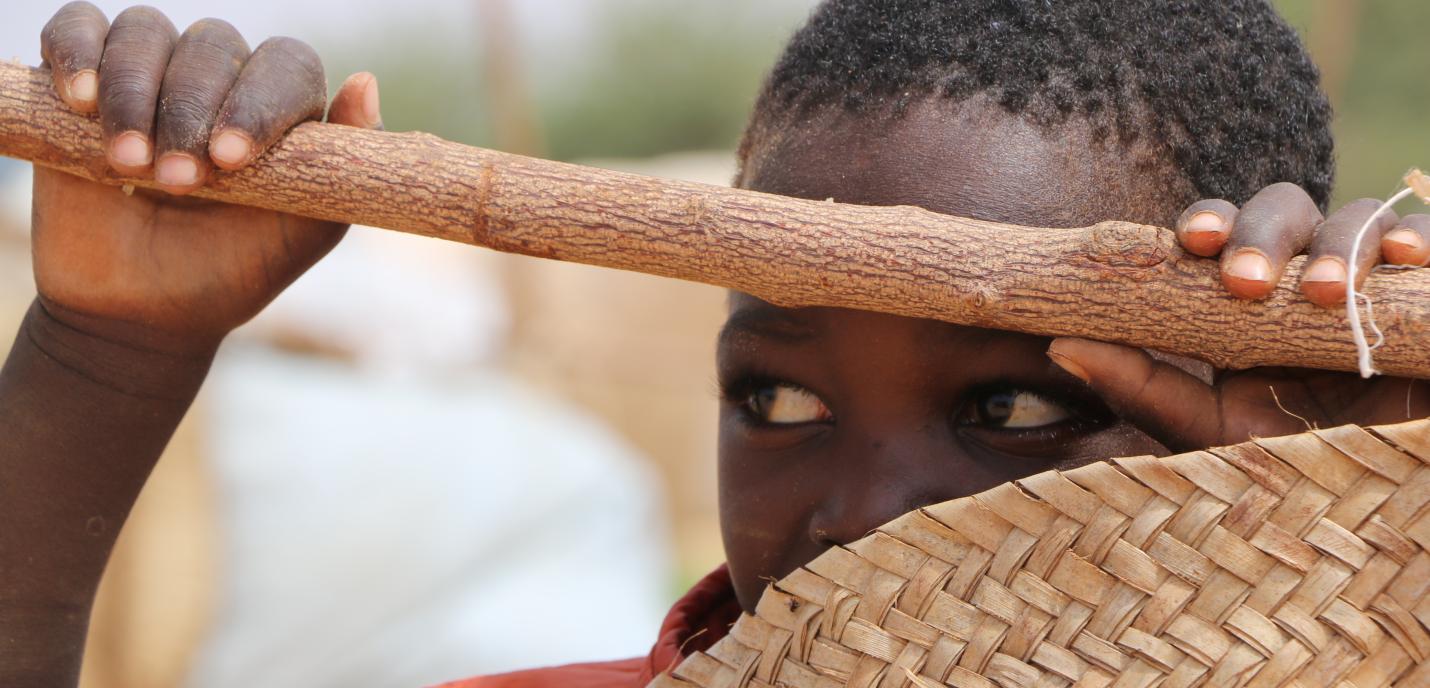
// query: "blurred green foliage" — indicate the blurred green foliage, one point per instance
point(428, 83)
point(666, 76)
point(652, 76)
point(1381, 124)
point(648, 77)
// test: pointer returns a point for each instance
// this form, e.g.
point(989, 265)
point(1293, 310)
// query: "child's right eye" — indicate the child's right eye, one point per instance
point(785, 404)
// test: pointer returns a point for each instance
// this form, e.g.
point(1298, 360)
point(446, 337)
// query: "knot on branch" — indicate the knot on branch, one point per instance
point(1129, 248)
point(695, 210)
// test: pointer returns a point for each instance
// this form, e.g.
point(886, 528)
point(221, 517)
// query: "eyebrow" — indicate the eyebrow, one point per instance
point(767, 323)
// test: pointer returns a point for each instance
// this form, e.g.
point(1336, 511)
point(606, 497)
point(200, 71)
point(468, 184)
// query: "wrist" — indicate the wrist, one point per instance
point(120, 363)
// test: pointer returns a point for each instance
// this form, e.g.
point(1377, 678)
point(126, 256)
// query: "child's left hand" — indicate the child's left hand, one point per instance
point(1255, 243)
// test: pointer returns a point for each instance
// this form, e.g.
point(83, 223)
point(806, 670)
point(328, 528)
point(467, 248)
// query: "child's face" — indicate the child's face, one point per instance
point(836, 421)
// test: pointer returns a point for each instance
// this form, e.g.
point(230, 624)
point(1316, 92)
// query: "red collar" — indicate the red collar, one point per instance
point(699, 619)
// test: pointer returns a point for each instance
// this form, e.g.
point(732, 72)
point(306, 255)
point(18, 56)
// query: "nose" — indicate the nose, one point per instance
point(880, 480)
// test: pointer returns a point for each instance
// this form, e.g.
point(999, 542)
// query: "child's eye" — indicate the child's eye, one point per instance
point(1014, 409)
point(785, 404)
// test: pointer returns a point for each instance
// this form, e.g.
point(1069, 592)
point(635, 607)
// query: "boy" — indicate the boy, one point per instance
point(834, 421)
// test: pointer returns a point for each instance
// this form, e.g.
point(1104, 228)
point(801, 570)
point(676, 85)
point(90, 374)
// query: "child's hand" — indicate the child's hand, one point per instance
point(1184, 412)
point(157, 270)
point(1280, 222)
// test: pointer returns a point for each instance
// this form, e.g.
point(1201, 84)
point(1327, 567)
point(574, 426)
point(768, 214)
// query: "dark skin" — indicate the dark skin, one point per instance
point(837, 421)
point(137, 292)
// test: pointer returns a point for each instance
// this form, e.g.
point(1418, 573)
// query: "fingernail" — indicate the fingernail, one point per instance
point(371, 108)
point(131, 149)
point(176, 169)
point(1205, 221)
point(1404, 247)
point(231, 148)
point(1071, 366)
point(84, 87)
point(1325, 270)
point(1408, 238)
point(1249, 266)
point(1204, 233)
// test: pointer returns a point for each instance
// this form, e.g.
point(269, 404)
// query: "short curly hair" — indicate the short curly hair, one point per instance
point(1224, 89)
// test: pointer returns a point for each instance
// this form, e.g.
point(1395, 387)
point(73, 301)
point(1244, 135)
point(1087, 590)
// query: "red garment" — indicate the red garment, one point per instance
point(700, 618)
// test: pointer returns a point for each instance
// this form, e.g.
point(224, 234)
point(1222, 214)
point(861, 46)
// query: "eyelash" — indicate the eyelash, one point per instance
point(1086, 415)
point(739, 389)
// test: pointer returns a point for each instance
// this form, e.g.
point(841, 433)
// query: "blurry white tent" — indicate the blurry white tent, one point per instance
point(393, 511)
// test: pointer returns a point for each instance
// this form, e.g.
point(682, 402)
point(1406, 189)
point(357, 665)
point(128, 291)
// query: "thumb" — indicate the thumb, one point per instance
point(1171, 405)
point(357, 103)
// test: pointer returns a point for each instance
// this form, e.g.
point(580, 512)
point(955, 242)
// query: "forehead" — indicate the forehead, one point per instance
point(973, 159)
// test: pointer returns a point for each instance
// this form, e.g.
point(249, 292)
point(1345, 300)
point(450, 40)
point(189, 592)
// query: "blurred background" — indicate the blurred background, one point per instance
point(427, 461)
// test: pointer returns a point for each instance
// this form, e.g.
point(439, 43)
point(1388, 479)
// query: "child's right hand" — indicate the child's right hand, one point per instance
point(157, 270)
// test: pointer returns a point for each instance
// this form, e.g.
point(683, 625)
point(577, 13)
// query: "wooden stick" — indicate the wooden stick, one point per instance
point(1113, 281)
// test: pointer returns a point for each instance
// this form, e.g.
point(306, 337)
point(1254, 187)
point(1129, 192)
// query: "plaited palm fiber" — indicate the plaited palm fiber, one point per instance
point(1295, 561)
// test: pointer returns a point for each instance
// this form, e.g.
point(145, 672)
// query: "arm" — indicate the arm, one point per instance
point(83, 420)
point(136, 293)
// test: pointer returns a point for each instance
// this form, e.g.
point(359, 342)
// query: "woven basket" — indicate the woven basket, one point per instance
point(1296, 561)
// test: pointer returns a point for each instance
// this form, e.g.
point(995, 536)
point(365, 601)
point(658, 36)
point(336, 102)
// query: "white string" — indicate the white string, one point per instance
point(1353, 297)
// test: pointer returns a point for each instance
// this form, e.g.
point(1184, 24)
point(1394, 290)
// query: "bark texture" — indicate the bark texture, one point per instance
point(1114, 281)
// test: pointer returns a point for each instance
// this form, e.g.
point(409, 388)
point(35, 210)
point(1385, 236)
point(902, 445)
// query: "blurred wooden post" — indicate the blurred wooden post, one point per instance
point(515, 127)
point(1333, 37)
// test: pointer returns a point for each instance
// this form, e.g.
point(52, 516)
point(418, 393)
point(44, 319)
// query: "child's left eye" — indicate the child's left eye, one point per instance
point(1014, 409)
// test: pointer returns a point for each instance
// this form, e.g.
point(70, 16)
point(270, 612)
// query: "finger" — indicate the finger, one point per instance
point(357, 103)
point(1324, 281)
point(205, 64)
point(1205, 226)
point(1171, 405)
point(281, 85)
point(130, 73)
point(72, 44)
point(1277, 223)
point(1409, 242)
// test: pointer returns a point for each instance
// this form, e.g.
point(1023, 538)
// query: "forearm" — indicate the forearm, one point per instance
point(82, 422)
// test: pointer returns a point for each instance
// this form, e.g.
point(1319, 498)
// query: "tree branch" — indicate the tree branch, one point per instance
point(1113, 281)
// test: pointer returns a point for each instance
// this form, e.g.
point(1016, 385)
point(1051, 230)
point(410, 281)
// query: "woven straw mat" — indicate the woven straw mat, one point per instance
point(1296, 561)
